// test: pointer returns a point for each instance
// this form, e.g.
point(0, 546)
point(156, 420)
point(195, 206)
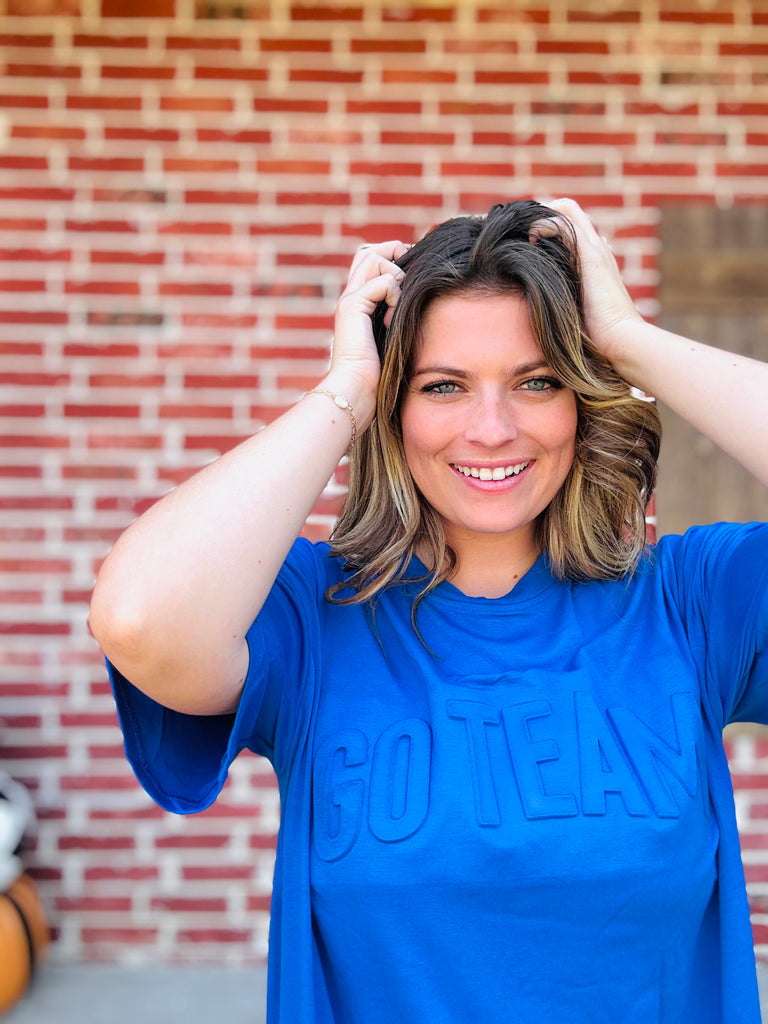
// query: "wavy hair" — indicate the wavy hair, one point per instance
point(594, 528)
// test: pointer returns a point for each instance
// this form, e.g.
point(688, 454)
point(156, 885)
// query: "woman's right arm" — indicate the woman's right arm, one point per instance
point(181, 587)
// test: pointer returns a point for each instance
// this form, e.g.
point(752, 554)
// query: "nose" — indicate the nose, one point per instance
point(491, 421)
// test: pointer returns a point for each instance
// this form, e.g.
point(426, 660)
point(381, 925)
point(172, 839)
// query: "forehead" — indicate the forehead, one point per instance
point(474, 324)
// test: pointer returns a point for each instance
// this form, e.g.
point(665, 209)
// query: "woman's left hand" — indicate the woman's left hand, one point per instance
point(608, 308)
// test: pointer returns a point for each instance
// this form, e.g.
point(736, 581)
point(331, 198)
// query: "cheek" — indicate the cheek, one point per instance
point(562, 433)
point(421, 434)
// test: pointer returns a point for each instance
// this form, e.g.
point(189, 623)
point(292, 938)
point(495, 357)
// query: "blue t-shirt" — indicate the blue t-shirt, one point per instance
point(526, 818)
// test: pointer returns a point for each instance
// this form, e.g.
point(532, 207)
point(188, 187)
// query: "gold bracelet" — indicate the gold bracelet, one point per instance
point(342, 403)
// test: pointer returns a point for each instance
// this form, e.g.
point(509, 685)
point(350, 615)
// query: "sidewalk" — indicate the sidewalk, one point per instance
point(98, 994)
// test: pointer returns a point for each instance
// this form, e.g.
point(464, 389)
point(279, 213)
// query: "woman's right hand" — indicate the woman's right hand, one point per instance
point(373, 277)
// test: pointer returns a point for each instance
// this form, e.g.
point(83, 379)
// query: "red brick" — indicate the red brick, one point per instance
point(191, 841)
point(386, 106)
point(101, 288)
point(287, 44)
point(117, 873)
point(34, 379)
point(475, 108)
point(417, 14)
point(664, 112)
point(101, 226)
point(736, 170)
point(194, 936)
point(22, 223)
point(227, 872)
point(198, 288)
point(697, 17)
point(46, 131)
point(88, 410)
point(206, 43)
point(199, 165)
point(189, 904)
point(121, 938)
point(600, 78)
point(511, 14)
point(678, 169)
point(475, 168)
point(24, 163)
point(481, 46)
point(573, 46)
point(313, 199)
point(36, 40)
point(98, 41)
point(267, 105)
point(34, 193)
point(33, 629)
point(416, 76)
point(11, 100)
point(100, 102)
point(100, 256)
point(743, 49)
point(600, 17)
point(321, 12)
point(91, 904)
point(111, 72)
point(216, 104)
point(65, 71)
point(249, 137)
point(220, 73)
point(326, 76)
point(20, 285)
point(181, 227)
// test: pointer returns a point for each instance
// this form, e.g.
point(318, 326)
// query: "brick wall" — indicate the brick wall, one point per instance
point(181, 186)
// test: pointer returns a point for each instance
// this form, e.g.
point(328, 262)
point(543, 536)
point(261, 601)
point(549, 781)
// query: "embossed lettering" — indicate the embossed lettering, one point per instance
point(528, 756)
point(338, 794)
point(658, 763)
point(604, 767)
point(477, 718)
point(399, 798)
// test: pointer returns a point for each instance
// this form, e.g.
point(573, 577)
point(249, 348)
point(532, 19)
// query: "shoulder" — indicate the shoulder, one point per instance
point(708, 549)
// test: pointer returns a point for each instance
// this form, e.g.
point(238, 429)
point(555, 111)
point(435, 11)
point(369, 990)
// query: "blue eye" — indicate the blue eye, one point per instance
point(541, 384)
point(441, 387)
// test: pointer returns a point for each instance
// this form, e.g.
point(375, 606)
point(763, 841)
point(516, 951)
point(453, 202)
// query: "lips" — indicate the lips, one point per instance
point(491, 472)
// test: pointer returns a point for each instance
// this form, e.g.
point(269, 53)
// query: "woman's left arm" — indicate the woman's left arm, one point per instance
point(721, 394)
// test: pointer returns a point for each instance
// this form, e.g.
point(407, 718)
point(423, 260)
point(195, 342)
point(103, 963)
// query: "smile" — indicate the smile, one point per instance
point(486, 473)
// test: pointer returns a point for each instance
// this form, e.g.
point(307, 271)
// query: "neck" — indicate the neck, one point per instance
point(491, 565)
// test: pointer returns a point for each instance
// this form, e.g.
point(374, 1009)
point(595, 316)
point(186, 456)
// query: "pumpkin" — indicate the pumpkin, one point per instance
point(24, 939)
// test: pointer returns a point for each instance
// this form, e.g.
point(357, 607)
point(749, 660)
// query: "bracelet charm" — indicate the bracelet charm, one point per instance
point(342, 403)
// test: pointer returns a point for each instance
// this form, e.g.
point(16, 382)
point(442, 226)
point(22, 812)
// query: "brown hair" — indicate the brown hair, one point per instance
point(594, 528)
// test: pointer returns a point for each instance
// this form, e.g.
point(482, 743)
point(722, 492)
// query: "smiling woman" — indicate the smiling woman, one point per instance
point(534, 762)
point(489, 435)
point(497, 296)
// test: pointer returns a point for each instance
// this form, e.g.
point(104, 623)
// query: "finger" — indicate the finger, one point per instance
point(390, 251)
point(547, 227)
point(370, 265)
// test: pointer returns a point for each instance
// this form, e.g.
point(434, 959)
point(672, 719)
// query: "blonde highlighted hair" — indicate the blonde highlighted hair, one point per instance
point(595, 527)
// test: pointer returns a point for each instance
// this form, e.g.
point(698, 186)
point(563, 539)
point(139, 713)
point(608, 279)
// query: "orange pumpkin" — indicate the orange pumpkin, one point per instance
point(24, 939)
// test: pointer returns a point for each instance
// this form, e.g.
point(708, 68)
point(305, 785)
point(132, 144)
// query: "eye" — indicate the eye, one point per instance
point(541, 384)
point(441, 387)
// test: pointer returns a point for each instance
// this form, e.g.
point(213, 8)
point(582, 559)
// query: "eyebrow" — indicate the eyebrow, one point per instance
point(454, 371)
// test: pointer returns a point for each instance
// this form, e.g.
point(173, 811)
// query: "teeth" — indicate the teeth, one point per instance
point(498, 473)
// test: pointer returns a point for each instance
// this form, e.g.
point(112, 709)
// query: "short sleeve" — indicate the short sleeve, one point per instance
point(718, 577)
point(182, 760)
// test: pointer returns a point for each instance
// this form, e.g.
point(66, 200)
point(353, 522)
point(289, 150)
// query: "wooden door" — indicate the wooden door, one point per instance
point(714, 287)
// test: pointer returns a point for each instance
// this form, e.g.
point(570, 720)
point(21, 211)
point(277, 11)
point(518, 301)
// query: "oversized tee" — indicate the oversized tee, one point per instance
point(522, 815)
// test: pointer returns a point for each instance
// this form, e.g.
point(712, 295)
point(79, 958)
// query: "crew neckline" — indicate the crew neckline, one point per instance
point(531, 585)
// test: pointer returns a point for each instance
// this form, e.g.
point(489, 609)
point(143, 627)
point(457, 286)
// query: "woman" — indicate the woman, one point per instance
point(494, 713)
